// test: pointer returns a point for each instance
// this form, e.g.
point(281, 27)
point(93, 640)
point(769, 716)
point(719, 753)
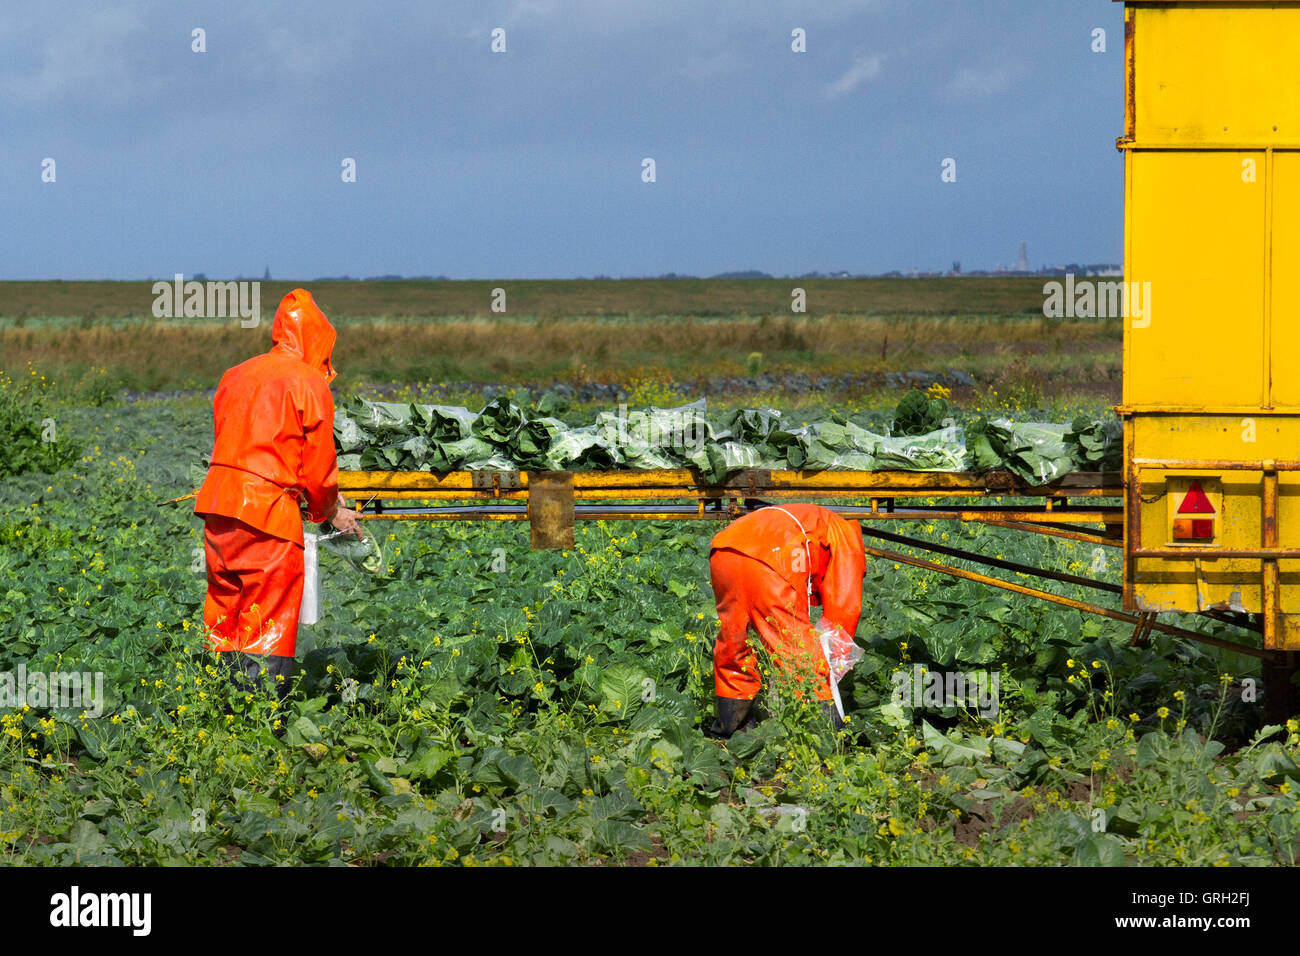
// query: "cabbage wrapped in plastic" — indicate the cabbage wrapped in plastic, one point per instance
point(751, 426)
point(1096, 445)
point(835, 444)
point(364, 555)
point(638, 440)
point(498, 421)
point(684, 429)
point(382, 420)
point(580, 449)
point(442, 423)
point(531, 445)
point(496, 461)
point(717, 461)
point(1036, 452)
point(451, 455)
point(349, 437)
point(942, 450)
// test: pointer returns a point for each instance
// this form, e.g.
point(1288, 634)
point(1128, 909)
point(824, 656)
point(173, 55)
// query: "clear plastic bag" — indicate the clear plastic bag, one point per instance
point(309, 610)
point(841, 654)
point(840, 649)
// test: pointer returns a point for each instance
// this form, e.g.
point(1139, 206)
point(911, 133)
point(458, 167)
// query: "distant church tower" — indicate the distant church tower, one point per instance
point(266, 276)
point(1022, 259)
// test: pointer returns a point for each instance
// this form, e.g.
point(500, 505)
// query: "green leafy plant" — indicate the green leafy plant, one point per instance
point(30, 436)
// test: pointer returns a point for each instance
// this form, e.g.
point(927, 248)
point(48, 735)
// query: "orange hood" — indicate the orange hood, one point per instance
point(301, 329)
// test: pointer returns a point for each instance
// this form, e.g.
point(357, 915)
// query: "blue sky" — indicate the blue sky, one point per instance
point(527, 164)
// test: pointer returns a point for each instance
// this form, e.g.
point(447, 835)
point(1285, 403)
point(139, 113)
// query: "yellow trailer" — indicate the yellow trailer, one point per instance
point(1211, 150)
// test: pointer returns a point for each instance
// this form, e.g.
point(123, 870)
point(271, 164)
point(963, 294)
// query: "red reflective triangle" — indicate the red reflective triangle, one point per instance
point(1195, 503)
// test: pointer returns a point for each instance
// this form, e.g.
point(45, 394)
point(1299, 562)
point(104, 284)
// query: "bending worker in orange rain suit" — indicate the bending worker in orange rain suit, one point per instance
point(762, 565)
point(274, 422)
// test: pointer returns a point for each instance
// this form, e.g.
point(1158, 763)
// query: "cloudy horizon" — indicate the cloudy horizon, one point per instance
point(530, 163)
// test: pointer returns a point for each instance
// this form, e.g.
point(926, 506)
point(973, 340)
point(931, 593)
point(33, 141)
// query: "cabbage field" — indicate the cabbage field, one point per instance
point(479, 703)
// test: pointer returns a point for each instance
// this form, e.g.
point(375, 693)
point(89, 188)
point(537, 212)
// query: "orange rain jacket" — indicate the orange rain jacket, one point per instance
point(274, 422)
point(760, 573)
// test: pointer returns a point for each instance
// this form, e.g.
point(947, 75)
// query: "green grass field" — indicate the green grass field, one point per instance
point(560, 298)
point(102, 336)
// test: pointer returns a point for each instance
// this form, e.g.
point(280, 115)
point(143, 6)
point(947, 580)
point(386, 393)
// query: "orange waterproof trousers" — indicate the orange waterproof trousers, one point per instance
point(254, 588)
point(750, 595)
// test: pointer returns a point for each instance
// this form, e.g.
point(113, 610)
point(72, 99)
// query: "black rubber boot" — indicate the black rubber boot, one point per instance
point(279, 670)
point(732, 715)
point(245, 672)
point(231, 663)
point(829, 707)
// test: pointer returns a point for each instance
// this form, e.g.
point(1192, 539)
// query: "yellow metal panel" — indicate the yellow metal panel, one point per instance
point(1196, 252)
point(1209, 73)
point(1168, 584)
point(393, 481)
point(674, 484)
point(1285, 268)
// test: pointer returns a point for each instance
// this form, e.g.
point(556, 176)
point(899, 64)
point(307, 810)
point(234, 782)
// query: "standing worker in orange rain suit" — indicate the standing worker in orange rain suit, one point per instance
point(274, 422)
point(762, 565)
